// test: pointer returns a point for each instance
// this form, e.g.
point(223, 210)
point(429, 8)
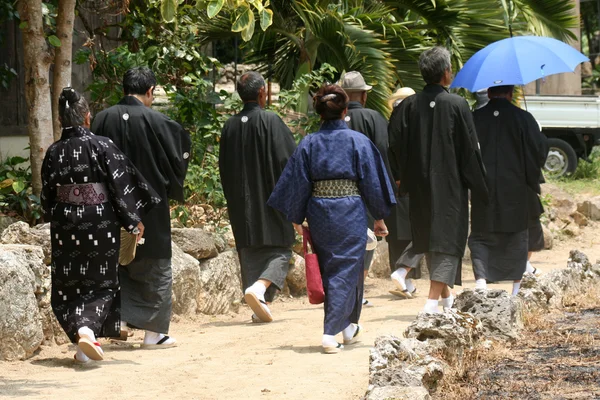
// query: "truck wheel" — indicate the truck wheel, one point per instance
point(561, 160)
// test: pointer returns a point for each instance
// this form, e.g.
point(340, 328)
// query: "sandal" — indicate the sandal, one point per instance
point(403, 293)
point(256, 305)
point(160, 344)
point(90, 348)
point(333, 349)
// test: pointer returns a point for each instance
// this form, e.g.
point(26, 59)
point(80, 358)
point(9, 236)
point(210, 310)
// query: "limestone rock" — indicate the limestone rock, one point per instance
point(220, 243)
point(398, 393)
point(548, 238)
point(580, 219)
point(534, 292)
point(405, 362)
point(185, 282)
point(572, 230)
point(564, 207)
point(195, 242)
point(499, 313)
point(220, 283)
point(296, 277)
point(590, 208)
point(20, 323)
point(5, 222)
point(228, 237)
point(21, 233)
point(456, 330)
point(380, 267)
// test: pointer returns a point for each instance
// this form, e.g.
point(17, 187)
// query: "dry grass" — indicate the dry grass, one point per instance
point(557, 357)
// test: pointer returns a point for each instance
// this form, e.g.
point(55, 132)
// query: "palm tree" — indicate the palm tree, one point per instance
point(383, 39)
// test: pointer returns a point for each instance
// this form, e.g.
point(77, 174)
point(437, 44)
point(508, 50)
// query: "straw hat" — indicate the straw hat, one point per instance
point(353, 81)
point(400, 94)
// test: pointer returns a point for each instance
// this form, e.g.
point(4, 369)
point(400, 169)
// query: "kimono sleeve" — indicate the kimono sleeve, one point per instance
point(130, 194)
point(398, 139)
point(535, 147)
point(176, 143)
point(294, 187)
point(374, 182)
point(284, 144)
point(48, 194)
point(471, 168)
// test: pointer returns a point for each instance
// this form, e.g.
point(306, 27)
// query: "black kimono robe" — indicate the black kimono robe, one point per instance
point(434, 149)
point(513, 151)
point(375, 127)
point(254, 149)
point(86, 238)
point(160, 148)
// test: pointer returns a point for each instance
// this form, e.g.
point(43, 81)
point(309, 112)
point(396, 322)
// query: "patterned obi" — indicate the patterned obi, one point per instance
point(86, 194)
point(332, 189)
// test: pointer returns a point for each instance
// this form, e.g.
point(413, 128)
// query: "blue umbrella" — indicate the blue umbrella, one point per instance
point(517, 61)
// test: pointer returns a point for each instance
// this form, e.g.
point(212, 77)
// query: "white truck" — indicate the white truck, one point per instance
point(572, 126)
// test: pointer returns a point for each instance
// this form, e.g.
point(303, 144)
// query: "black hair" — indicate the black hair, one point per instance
point(434, 63)
point(249, 86)
point(330, 102)
point(501, 90)
point(72, 108)
point(138, 80)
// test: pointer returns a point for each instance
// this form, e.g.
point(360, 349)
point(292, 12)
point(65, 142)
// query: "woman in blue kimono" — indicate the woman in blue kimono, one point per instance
point(331, 179)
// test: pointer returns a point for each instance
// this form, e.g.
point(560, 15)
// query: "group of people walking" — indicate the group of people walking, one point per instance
point(409, 180)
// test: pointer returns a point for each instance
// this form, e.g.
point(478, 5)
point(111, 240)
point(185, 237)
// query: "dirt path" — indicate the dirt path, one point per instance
point(227, 357)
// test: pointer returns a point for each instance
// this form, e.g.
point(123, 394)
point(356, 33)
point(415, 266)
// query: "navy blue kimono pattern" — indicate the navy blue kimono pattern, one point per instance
point(86, 238)
point(338, 226)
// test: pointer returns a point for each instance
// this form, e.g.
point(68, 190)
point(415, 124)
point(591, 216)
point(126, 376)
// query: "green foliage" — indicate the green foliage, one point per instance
point(16, 198)
point(241, 12)
point(588, 170)
point(7, 74)
point(303, 123)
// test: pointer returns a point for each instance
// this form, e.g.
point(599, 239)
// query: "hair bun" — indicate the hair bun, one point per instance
point(69, 94)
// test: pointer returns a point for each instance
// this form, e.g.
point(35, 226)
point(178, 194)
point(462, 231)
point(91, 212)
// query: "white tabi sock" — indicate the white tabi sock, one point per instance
point(448, 301)
point(409, 286)
point(399, 278)
point(529, 268)
point(259, 289)
point(329, 341)
point(80, 356)
point(516, 287)
point(87, 332)
point(431, 307)
point(153, 338)
point(480, 284)
point(349, 332)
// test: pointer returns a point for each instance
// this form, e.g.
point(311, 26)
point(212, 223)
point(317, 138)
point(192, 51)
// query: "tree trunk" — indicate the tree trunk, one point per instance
point(37, 61)
point(63, 57)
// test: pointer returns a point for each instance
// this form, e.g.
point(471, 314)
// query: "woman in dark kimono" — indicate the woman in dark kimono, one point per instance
point(333, 174)
point(90, 190)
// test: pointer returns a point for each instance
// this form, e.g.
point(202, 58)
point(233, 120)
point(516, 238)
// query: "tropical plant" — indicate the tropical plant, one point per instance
point(16, 197)
point(383, 39)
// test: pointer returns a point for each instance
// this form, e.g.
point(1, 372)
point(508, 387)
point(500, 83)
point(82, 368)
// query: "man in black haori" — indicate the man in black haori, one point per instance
point(254, 149)
point(513, 151)
point(90, 190)
point(370, 123)
point(160, 148)
point(434, 150)
point(404, 261)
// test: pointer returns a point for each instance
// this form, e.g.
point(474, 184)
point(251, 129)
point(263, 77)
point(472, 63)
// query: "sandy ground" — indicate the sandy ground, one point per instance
point(227, 357)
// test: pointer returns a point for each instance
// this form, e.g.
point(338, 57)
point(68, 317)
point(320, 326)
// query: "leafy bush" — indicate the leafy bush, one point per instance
point(16, 198)
point(588, 170)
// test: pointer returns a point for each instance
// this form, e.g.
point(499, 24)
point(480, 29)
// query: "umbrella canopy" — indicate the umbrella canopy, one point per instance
point(517, 61)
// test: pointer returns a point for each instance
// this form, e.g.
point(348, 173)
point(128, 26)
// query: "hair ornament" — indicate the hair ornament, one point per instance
point(328, 97)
